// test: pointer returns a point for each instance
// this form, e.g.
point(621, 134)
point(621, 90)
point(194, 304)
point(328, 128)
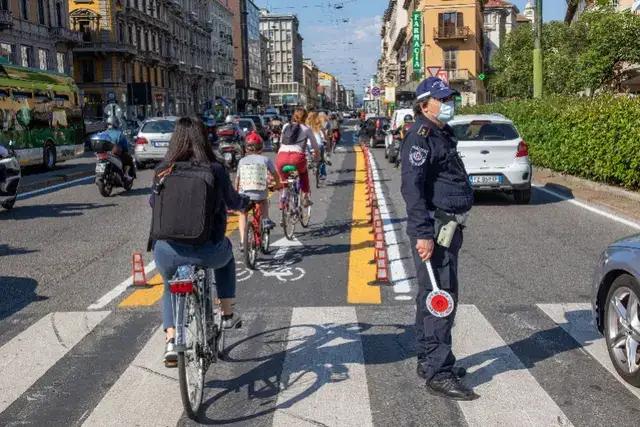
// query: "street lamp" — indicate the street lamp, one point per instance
point(537, 52)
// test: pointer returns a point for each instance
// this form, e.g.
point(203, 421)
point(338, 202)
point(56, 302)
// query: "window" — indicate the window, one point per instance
point(87, 71)
point(60, 61)
point(4, 5)
point(41, 16)
point(42, 59)
point(6, 51)
point(450, 22)
point(26, 56)
point(450, 59)
point(24, 5)
point(123, 72)
point(59, 14)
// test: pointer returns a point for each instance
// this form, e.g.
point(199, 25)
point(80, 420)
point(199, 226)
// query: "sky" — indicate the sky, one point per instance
point(343, 36)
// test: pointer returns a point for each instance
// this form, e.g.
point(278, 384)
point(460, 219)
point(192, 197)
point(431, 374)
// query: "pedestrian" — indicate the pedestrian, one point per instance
point(436, 190)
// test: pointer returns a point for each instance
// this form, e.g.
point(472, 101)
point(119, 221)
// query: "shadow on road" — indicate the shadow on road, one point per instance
point(6, 250)
point(53, 210)
point(17, 293)
point(309, 349)
point(135, 192)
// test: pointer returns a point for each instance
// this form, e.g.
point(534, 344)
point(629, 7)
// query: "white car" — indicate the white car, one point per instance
point(494, 154)
point(396, 120)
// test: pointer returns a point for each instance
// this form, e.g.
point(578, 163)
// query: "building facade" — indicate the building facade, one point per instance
point(152, 57)
point(286, 89)
point(36, 34)
point(329, 85)
point(500, 18)
point(442, 37)
point(310, 83)
point(224, 85)
point(350, 99)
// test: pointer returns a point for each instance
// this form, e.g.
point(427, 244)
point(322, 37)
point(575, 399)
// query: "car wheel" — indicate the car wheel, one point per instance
point(522, 197)
point(622, 327)
point(49, 156)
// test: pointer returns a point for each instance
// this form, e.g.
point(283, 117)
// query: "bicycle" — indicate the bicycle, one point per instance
point(199, 331)
point(317, 168)
point(256, 236)
point(291, 203)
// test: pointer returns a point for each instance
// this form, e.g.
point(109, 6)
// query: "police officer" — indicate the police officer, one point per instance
point(435, 185)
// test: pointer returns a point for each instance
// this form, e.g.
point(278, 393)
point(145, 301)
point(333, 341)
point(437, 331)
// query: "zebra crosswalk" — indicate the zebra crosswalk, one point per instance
point(327, 366)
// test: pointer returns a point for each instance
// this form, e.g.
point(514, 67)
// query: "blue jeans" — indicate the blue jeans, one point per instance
point(219, 256)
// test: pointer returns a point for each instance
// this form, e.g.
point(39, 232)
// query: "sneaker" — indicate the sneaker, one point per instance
point(451, 387)
point(232, 321)
point(170, 354)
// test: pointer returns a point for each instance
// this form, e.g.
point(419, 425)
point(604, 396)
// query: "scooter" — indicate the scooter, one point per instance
point(230, 146)
point(10, 175)
point(109, 169)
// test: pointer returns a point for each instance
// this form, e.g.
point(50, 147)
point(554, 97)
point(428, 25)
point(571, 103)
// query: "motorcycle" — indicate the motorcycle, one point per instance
point(230, 146)
point(275, 139)
point(10, 174)
point(109, 168)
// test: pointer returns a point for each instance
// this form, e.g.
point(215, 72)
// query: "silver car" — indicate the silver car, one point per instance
point(152, 141)
point(616, 305)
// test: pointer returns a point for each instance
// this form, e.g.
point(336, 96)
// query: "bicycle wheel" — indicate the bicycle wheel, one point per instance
point(288, 222)
point(305, 215)
point(250, 249)
point(191, 363)
point(266, 241)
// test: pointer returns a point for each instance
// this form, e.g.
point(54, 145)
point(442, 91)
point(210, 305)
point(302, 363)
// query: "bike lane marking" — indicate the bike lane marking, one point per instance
point(151, 294)
point(361, 272)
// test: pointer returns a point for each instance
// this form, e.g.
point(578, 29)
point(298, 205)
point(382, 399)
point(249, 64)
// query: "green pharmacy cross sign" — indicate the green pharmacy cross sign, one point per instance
point(416, 24)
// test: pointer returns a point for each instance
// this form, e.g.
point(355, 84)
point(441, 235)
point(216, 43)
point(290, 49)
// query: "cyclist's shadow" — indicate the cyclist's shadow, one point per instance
point(316, 355)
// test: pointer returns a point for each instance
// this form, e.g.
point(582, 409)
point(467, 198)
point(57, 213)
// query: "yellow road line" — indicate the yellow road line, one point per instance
point(151, 294)
point(360, 271)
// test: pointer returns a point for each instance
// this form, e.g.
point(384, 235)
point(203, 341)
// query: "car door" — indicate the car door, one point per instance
point(486, 145)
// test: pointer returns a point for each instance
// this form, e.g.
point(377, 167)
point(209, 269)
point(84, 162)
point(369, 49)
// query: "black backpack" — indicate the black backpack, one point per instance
point(291, 134)
point(184, 202)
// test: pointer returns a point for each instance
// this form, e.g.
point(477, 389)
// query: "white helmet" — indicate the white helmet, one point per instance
point(229, 119)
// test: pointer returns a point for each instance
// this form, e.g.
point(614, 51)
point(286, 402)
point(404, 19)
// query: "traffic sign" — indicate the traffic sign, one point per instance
point(375, 91)
point(433, 70)
point(443, 75)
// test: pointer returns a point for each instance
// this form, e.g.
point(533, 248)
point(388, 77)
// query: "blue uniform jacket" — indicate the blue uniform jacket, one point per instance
point(433, 176)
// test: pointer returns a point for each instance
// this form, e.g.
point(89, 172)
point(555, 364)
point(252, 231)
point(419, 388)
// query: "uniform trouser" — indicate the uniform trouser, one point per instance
point(433, 334)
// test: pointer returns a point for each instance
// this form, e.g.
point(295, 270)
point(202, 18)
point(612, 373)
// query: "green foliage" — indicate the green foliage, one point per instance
point(596, 138)
point(586, 55)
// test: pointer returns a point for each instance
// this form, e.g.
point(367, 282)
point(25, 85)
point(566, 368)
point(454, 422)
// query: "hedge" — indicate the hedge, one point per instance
point(595, 138)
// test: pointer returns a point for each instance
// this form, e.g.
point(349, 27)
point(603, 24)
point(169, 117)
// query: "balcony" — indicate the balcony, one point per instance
point(65, 35)
point(461, 75)
point(451, 33)
point(6, 19)
point(106, 48)
point(197, 70)
point(150, 57)
point(208, 26)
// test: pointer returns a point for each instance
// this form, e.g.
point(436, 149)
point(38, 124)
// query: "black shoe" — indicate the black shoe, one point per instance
point(450, 387)
point(458, 371)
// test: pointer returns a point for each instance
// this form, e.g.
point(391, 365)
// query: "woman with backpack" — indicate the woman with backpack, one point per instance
point(293, 147)
point(191, 175)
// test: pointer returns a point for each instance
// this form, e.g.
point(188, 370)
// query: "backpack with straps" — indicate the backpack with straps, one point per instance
point(291, 134)
point(184, 201)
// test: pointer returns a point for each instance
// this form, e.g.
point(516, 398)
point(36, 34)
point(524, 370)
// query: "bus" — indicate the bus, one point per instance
point(40, 112)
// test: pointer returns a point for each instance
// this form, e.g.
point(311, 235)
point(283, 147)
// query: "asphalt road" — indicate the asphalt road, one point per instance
point(319, 345)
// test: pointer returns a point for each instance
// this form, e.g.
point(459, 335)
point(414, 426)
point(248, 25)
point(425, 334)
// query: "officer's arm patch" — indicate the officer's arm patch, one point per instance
point(418, 155)
point(424, 131)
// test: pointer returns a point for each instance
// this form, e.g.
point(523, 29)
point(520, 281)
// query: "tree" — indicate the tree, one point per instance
point(514, 65)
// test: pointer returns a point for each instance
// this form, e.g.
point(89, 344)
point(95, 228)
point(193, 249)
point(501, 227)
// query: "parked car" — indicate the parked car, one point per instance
point(616, 304)
point(394, 124)
point(494, 154)
point(261, 125)
point(152, 141)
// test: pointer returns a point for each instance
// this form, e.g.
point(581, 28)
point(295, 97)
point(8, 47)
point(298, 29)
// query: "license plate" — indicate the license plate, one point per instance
point(100, 167)
point(228, 156)
point(160, 143)
point(485, 180)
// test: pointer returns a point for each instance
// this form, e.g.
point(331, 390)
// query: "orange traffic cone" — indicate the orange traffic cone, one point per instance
point(139, 276)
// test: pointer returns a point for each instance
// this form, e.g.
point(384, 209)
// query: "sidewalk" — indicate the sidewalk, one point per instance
point(35, 179)
point(614, 199)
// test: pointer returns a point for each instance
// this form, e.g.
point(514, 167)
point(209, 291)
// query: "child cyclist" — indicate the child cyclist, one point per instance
point(254, 173)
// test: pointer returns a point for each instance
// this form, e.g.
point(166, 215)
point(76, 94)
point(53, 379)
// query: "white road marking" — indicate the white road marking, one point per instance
point(398, 274)
point(146, 394)
point(29, 355)
point(279, 267)
point(119, 290)
point(510, 395)
point(593, 209)
point(323, 378)
point(577, 321)
point(53, 187)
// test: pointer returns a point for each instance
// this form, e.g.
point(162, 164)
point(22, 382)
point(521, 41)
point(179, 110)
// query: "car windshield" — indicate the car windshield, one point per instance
point(485, 131)
point(159, 126)
point(254, 119)
point(246, 124)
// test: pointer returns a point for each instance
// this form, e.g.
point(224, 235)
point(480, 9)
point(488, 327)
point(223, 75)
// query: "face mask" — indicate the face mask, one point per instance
point(447, 110)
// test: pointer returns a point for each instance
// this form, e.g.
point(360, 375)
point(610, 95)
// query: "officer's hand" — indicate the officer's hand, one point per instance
point(425, 248)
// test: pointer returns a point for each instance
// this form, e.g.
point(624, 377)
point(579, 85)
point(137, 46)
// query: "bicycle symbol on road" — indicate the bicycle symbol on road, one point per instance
point(283, 271)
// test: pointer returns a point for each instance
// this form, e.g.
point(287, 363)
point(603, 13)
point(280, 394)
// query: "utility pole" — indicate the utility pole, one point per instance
point(537, 52)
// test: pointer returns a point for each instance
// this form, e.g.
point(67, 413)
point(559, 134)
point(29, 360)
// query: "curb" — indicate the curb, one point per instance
point(58, 179)
point(596, 186)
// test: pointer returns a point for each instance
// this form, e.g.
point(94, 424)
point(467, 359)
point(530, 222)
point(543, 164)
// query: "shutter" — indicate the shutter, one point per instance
point(460, 20)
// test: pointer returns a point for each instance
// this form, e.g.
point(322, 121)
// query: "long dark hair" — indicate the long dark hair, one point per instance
point(189, 143)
